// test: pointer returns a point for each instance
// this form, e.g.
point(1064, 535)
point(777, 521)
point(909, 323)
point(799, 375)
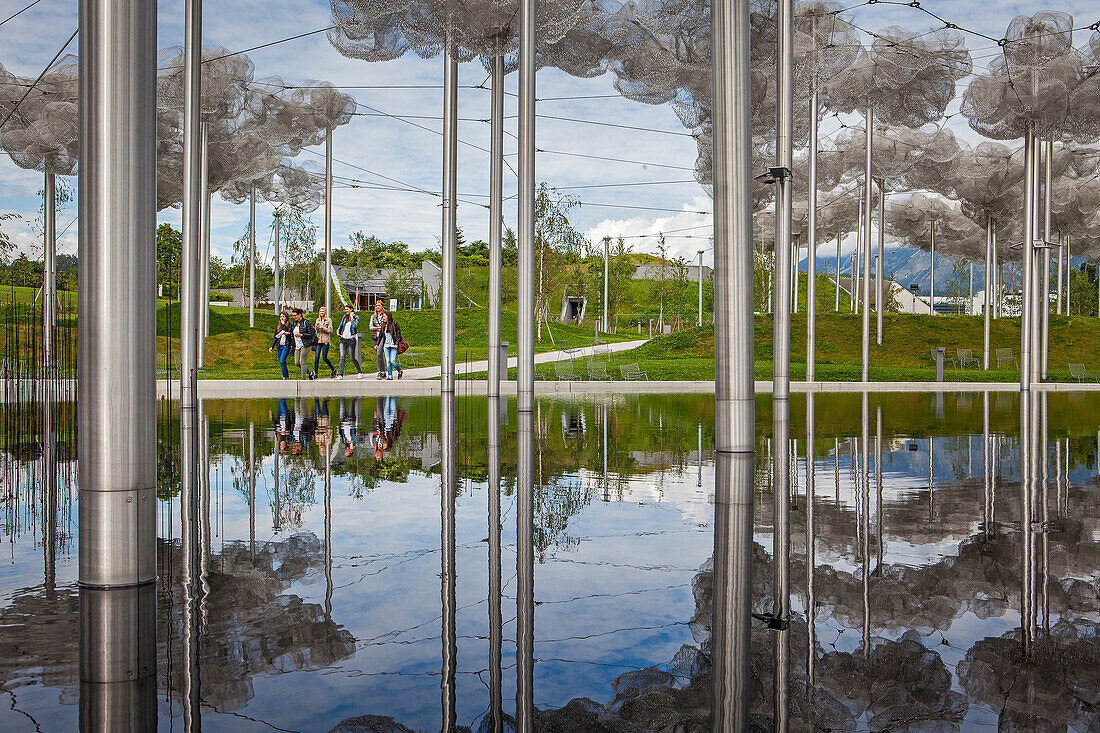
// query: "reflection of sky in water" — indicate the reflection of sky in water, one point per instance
point(613, 588)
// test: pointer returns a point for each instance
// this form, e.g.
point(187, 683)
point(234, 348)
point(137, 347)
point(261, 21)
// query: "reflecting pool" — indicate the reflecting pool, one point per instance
point(374, 564)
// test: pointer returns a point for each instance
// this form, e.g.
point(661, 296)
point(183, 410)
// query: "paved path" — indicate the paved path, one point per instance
point(472, 367)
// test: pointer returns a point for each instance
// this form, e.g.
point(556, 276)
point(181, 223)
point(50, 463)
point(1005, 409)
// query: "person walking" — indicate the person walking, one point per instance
point(391, 338)
point(349, 336)
point(323, 326)
point(377, 321)
point(283, 340)
point(305, 338)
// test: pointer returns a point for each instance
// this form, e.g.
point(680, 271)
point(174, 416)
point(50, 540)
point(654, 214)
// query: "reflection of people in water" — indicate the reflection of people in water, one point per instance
point(349, 425)
point(304, 428)
point(282, 423)
point(323, 433)
point(386, 426)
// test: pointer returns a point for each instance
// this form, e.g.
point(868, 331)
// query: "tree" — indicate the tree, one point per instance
point(557, 247)
point(169, 254)
point(620, 271)
point(402, 285)
point(6, 245)
point(958, 287)
point(298, 243)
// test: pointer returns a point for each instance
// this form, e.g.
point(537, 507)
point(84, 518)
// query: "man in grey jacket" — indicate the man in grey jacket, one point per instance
point(377, 337)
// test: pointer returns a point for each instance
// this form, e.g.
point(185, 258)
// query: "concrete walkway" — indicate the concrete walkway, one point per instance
point(267, 388)
point(472, 367)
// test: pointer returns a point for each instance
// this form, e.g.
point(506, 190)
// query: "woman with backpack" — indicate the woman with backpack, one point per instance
point(391, 334)
point(284, 336)
point(348, 331)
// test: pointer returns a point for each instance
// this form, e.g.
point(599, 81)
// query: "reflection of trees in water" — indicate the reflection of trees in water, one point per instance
point(38, 645)
point(253, 627)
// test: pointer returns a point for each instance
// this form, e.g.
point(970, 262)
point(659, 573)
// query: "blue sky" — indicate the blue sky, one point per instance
point(412, 155)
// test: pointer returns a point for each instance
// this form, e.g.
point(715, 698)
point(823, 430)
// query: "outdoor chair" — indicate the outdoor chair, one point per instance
point(604, 349)
point(166, 370)
point(631, 372)
point(1079, 371)
point(564, 370)
point(966, 357)
point(598, 370)
point(1004, 356)
point(413, 358)
point(946, 359)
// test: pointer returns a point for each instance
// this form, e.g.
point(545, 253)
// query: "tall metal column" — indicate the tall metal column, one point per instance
point(49, 269)
point(204, 243)
point(525, 230)
point(881, 256)
point(811, 237)
point(1061, 281)
point(733, 348)
point(836, 306)
point(869, 141)
point(496, 620)
point(853, 268)
point(699, 321)
point(932, 274)
point(1029, 239)
point(606, 255)
point(496, 204)
point(278, 267)
point(1044, 336)
point(988, 288)
point(252, 258)
point(784, 201)
point(525, 572)
point(328, 222)
point(116, 373)
point(450, 211)
point(996, 276)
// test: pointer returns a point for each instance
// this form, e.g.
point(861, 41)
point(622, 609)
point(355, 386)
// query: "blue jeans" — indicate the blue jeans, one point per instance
point(321, 352)
point(391, 360)
point(284, 354)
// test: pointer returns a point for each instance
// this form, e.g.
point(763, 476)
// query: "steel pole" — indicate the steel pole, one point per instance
point(252, 258)
point(450, 211)
point(525, 572)
point(525, 229)
point(996, 275)
point(734, 389)
point(869, 141)
point(1029, 238)
point(448, 490)
point(278, 268)
point(496, 205)
point(606, 255)
point(204, 243)
point(117, 368)
point(989, 299)
point(881, 256)
point(1047, 185)
point(853, 269)
point(836, 306)
point(1061, 281)
point(699, 322)
point(811, 240)
point(932, 259)
point(49, 270)
point(784, 94)
point(328, 222)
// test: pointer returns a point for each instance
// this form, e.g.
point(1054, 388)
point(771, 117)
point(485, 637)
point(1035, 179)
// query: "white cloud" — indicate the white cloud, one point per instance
point(685, 233)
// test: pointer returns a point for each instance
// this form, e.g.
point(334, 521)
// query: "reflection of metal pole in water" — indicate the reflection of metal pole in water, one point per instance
point(811, 630)
point(865, 543)
point(878, 482)
point(1045, 467)
point(49, 486)
point(190, 550)
point(447, 543)
point(496, 623)
point(735, 420)
point(986, 477)
point(525, 226)
point(781, 548)
point(251, 489)
point(1026, 450)
point(931, 480)
point(604, 421)
point(117, 371)
point(328, 535)
point(496, 203)
point(525, 573)
point(699, 478)
point(204, 511)
point(1058, 476)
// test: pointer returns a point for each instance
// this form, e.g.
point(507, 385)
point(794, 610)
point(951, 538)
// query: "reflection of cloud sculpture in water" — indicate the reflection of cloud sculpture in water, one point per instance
point(1055, 685)
point(254, 627)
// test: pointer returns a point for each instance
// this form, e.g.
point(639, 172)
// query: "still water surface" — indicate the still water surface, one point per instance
point(323, 601)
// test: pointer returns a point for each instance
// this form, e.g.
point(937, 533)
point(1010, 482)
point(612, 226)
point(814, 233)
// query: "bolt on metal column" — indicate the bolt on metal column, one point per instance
point(117, 370)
